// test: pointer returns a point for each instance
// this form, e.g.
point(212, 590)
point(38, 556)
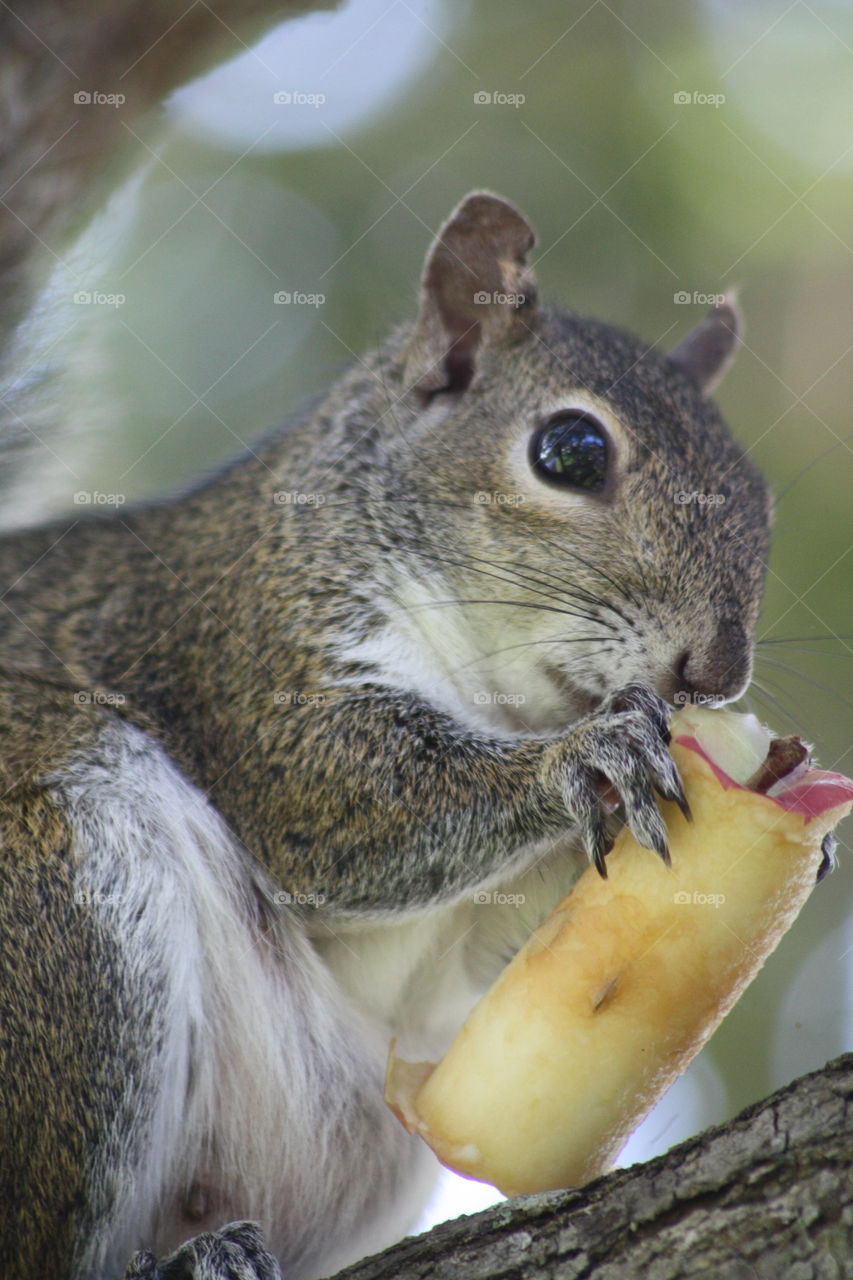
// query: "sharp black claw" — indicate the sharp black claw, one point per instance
point(677, 796)
point(603, 845)
point(661, 848)
point(681, 800)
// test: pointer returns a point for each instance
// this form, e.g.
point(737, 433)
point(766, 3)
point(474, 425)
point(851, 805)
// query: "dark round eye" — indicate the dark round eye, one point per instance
point(571, 449)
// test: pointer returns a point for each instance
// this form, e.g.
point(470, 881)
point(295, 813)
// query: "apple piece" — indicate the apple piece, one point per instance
point(621, 985)
point(741, 742)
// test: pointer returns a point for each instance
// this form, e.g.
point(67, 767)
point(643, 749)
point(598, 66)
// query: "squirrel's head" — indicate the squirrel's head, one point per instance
point(580, 515)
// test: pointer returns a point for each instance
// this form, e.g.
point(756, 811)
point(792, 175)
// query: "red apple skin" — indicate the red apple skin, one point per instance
point(811, 795)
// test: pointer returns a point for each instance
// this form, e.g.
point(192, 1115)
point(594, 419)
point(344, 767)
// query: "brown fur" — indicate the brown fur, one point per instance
point(62, 999)
point(197, 612)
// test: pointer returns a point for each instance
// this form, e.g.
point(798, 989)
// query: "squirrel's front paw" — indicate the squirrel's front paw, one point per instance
point(236, 1252)
point(625, 744)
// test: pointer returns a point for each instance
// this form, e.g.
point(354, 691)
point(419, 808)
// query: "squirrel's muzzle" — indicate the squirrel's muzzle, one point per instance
point(719, 669)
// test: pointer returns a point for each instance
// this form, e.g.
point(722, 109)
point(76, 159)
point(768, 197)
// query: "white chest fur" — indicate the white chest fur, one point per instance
point(432, 648)
point(263, 1089)
point(265, 1093)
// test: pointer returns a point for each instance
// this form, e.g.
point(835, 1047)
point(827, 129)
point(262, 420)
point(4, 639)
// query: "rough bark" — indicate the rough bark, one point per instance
point(768, 1196)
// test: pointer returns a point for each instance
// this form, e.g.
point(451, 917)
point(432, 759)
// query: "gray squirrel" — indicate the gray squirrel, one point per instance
point(293, 762)
point(253, 787)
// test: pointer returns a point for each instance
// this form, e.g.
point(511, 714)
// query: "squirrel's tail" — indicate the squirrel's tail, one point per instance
point(77, 88)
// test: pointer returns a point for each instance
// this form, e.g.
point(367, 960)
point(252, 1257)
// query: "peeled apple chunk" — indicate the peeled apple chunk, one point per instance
point(621, 985)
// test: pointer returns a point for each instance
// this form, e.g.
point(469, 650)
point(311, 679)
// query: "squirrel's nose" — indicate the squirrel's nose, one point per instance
point(720, 669)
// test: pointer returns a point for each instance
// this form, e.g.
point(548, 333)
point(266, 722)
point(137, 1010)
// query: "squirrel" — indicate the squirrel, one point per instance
point(295, 760)
point(253, 787)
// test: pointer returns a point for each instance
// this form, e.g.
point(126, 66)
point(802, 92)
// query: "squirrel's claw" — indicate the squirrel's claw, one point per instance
point(602, 846)
point(622, 748)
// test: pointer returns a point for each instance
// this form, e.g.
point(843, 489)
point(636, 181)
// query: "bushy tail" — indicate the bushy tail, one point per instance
point(78, 84)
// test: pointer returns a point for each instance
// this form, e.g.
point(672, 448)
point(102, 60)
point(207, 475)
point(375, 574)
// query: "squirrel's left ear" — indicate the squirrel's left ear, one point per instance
point(477, 288)
point(708, 351)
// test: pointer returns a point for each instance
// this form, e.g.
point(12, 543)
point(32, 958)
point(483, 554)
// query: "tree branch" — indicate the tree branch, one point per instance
point(56, 147)
point(765, 1196)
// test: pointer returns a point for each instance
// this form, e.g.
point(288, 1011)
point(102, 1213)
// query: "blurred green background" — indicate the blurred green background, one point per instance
point(660, 151)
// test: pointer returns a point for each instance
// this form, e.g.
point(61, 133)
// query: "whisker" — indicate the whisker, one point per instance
point(578, 594)
point(519, 604)
point(783, 493)
point(471, 565)
point(822, 653)
point(771, 700)
point(562, 550)
point(798, 639)
point(531, 644)
point(620, 587)
point(807, 679)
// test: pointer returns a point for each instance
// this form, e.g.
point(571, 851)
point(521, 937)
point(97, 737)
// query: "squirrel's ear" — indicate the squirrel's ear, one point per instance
point(708, 351)
point(476, 288)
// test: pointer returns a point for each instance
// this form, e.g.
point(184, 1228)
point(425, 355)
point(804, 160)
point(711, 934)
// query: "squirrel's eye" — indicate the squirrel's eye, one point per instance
point(571, 449)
